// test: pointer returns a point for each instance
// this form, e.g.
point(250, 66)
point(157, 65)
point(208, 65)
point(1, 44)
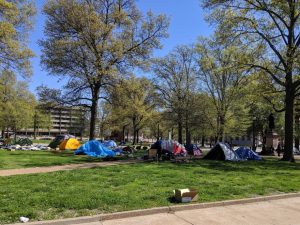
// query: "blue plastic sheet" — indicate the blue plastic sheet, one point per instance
point(248, 154)
point(95, 149)
point(110, 144)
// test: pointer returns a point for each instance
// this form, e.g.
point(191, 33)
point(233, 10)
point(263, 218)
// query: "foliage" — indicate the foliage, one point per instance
point(90, 43)
point(17, 104)
point(133, 102)
point(273, 27)
point(15, 22)
point(176, 84)
point(223, 79)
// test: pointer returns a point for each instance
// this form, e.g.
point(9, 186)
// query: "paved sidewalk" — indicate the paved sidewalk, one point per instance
point(34, 170)
point(282, 210)
point(275, 212)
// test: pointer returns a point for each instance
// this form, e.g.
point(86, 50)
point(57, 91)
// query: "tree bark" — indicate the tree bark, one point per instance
point(221, 128)
point(297, 130)
point(289, 125)
point(94, 109)
point(180, 128)
point(123, 133)
point(203, 141)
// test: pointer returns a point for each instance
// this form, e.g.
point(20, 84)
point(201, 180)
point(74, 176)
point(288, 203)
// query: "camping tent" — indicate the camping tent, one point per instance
point(59, 139)
point(169, 146)
point(110, 144)
point(247, 154)
point(70, 144)
point(95, 149)
point(222, 151)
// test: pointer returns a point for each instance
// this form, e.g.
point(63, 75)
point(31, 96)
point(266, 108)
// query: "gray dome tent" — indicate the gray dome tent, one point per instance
point(222, 151)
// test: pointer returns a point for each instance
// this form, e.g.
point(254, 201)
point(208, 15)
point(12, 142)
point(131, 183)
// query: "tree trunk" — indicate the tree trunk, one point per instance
point(137, 136)
point(203, 141)
point(134, 136)
point(221, 128)
point(134, 130)
point(15, 135)
point(297, 130)
point(297, 142)
point(187, 131)
point(188, 137)
point(123, 133)
point(289, 125)
point(94, 114)
point(158, 132)
point(180, 129)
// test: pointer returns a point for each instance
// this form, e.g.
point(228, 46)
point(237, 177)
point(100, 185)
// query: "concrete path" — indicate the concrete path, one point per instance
point(275, 212)
point(34, 170)
point(270, 210)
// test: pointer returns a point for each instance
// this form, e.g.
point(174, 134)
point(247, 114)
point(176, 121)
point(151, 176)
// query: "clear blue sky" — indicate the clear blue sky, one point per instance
point(187, 23)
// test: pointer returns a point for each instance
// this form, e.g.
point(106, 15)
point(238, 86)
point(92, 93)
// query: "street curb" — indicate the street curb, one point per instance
point(167, 209)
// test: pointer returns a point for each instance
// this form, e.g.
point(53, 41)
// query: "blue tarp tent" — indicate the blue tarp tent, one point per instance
point(110, 144)
point(248, 154)
point(222, 151)
point(95, 149)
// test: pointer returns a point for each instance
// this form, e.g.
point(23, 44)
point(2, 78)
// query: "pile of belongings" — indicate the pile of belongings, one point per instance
point(95, 149)
point(59, 139)
point(247, 154)
point(69, 144)
point(223, 152)
point(169, 148)
point(37, 147)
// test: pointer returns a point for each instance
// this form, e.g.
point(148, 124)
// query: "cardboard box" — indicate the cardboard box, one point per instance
point(186, 195)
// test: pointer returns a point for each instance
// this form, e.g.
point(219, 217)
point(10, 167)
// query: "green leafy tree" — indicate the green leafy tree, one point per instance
point(176, 84)
point(222, 78)
point(17, 105)
point(134, 100)
point(273, 25)
point(92, 42)
point(15, 22)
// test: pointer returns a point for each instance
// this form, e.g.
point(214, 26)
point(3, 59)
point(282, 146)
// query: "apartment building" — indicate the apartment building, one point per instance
point(64, 120)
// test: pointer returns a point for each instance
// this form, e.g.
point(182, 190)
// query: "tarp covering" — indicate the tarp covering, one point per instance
point(110, 144)
point(247, 154)
point(170, 146)
point(95, 149)
point(70, 144)
point(222, 151)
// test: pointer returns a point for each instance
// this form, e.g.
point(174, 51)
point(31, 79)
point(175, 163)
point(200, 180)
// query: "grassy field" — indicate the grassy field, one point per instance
point(26, 159)
point(127, 187)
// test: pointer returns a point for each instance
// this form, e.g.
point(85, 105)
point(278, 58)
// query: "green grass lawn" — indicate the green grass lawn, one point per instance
point(26, 159)
point(127, 187)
